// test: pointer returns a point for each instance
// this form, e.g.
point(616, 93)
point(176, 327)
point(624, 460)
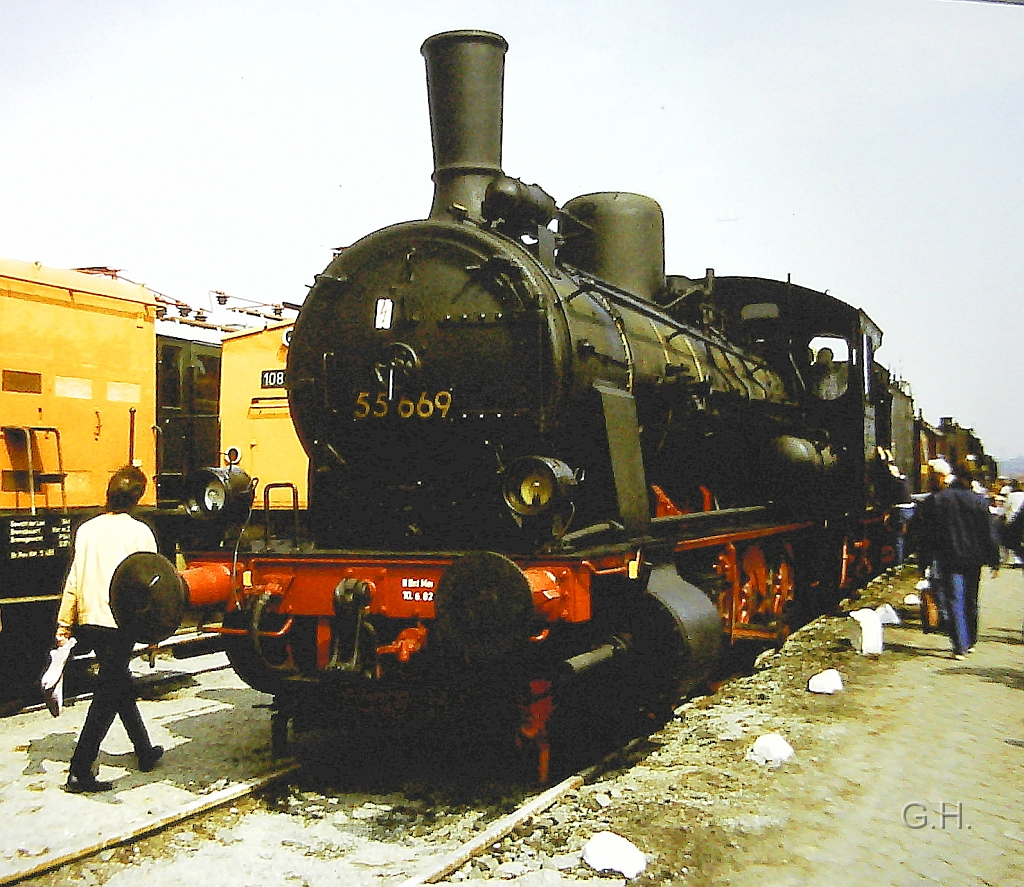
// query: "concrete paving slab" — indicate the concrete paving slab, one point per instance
point(216, 732)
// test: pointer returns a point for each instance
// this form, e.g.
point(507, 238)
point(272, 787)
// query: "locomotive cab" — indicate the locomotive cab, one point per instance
point(824, 349)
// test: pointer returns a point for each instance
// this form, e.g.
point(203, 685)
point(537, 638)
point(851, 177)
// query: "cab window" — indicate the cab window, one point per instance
point(168, 376)
point(206, 378)
point(828, 371)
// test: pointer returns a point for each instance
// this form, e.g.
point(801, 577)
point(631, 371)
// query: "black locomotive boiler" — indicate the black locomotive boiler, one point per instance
point(533, 454)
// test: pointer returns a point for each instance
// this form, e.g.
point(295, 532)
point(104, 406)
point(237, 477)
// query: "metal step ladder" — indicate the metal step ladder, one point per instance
point(28, 436)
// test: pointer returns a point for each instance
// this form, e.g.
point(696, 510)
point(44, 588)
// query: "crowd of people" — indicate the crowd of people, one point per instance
point(957, 530)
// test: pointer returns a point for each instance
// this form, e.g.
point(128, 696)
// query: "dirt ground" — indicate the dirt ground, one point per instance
point(911, 775)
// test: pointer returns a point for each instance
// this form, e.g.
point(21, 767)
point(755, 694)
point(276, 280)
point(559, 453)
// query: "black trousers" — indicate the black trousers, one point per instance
point(114, 696)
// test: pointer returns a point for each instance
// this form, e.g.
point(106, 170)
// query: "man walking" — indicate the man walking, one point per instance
point(101, 544)
point(958, 533)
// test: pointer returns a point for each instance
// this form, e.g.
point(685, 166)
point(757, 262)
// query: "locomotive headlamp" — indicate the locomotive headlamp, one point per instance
point(535, 484)
point(224, 493)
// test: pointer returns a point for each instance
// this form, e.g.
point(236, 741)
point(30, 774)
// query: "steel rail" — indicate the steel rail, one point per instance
point(150, 824)
point(500, 828)
point(493, 833)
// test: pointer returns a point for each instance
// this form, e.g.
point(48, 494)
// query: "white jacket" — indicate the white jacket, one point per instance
point(100, 545)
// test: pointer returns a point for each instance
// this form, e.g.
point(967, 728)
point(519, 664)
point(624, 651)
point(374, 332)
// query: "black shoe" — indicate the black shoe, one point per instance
point(80, 785)
point(147, 760)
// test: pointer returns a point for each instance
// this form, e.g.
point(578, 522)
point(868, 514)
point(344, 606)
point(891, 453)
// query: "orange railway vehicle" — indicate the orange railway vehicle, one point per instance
point(78, 390)
point(87, 386)
point(76, 402)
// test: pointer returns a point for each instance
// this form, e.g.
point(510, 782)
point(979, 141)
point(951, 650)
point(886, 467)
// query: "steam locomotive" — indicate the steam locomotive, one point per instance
point(534, 455)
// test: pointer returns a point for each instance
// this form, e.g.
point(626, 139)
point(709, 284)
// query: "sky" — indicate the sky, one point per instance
point(870, 148)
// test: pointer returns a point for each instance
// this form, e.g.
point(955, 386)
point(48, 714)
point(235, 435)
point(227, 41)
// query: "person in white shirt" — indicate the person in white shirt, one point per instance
point(1013, 498)
point(101, 544)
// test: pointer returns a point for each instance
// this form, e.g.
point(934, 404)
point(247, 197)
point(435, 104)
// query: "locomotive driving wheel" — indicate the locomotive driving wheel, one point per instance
point(758, 589)
point(746, 579)
point(755, 589)
point(782, 584)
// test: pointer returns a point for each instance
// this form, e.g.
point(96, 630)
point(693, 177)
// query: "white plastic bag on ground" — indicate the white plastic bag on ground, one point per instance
point(887, 615)
point(770, 749)
point(608, 851)
point(828, 681)
point(870, 630)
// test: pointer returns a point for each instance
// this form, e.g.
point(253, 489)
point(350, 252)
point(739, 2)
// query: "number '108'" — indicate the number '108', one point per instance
point(422, 408)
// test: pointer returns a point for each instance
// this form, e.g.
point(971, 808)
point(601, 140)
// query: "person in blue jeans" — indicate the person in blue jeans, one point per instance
point(957, 531)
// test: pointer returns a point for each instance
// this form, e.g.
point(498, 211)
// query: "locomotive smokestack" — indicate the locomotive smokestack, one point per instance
point(465, 78)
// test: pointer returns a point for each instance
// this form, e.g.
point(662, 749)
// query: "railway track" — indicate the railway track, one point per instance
point(339, 813)
point(148, 825)
point(430, 866)
point(385, 794)
point(348, 794)
point(216, 776)
point(362, 805)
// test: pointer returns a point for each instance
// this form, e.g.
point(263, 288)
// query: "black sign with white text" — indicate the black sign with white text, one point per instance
point(31, 536)
point(272, 379)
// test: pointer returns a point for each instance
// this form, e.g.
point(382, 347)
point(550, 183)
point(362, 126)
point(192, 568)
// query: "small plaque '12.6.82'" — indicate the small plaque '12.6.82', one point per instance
point(272, 379)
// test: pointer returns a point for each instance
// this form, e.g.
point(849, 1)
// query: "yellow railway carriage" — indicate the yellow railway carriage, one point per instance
point(77, 398)
point(87, 385)
point(255, 419)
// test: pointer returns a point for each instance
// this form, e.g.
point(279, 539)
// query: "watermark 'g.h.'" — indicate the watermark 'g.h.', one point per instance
point(916, 815)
